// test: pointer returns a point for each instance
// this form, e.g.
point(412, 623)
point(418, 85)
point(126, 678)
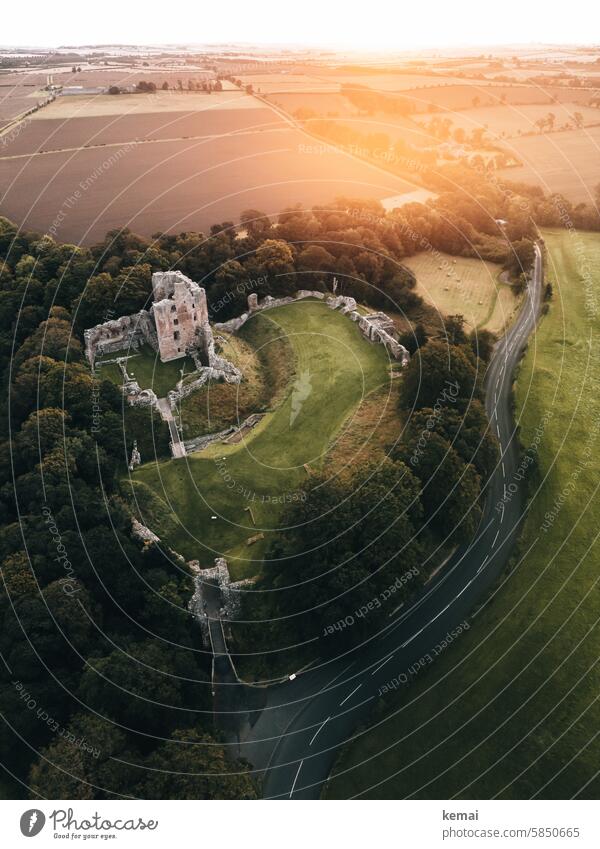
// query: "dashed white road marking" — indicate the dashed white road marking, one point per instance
point(296, 778)
point(396, 609)
point(437, 615)
point(322, 725)
point(350, 694)
point(495, 538)
point(381, 665)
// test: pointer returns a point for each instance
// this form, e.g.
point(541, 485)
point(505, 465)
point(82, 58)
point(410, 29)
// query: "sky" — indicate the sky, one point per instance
point(350, 24)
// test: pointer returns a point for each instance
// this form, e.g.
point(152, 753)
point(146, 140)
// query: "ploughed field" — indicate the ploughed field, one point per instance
point(85, 122)
point(168, 169)
point(566, 162)
point(18, 93)
point(246, 486)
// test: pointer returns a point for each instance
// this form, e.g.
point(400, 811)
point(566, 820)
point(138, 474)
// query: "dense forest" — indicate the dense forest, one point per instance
point(105, 684)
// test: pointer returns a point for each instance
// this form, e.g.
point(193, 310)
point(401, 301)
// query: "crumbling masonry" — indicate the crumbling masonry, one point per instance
point(376, 327)
point(175, 326)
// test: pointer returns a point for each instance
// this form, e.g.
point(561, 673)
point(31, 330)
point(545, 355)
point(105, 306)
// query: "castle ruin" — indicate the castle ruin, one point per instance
point(176, 324)
point(181, 317)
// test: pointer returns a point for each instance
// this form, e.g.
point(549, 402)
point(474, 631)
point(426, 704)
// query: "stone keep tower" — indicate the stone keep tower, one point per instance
point(181, 316)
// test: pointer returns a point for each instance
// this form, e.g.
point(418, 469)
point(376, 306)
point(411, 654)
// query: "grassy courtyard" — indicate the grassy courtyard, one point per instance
point(145, 365)
point(246, 486)
point(264, 357)
point(512, 711)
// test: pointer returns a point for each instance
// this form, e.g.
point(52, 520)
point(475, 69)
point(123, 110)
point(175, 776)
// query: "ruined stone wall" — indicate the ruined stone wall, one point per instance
point(267, 303)
point(199, 443)
point(377, 327)
point(230, 592)
point(220, 370)
point(120, 334)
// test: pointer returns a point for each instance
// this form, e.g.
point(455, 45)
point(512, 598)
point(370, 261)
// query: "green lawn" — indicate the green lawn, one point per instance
point(266, 364)
point(334, 366)
point(511, 709)
point(145, 365)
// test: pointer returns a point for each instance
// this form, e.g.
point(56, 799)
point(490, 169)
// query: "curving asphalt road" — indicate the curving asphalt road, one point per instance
point(291, 732)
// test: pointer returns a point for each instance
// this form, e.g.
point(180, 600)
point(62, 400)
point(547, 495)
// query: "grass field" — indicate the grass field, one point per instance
point(559, 162)
point(465, 286)
point(265, 359)
point(512, 710)
point(147, 368)
point(334, 369)
point(368, 434)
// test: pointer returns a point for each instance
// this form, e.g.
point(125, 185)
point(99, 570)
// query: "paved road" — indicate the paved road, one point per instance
point(292, 732)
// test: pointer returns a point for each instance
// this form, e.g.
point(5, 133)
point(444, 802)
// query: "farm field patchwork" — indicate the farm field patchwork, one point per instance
point(511, 711)
point(514, 120)
point(92, 106)
point(465, 286)
point(74, 122)
point(179, 185)
point(560, 162)
point(337, 106)
point(18, 94)
point(269, 83)
point(322, 104)
point(335, 368)
point(395, 128)
point(389, 82)
point(463, 95)
point(123, 75)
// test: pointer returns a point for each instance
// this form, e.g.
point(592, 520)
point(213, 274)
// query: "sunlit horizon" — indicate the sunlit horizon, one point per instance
point(312, 25)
